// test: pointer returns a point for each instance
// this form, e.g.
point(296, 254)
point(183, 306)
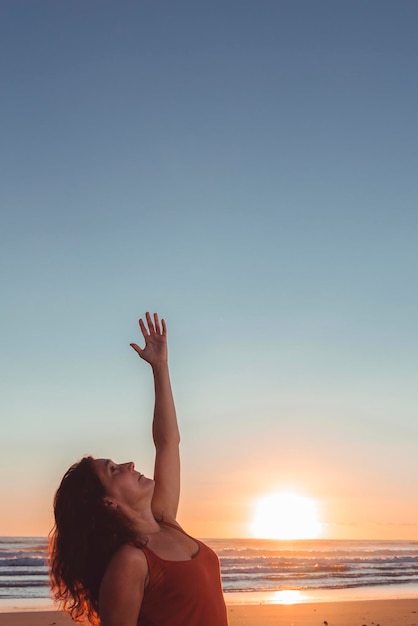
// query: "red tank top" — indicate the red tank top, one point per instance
point(183, 593)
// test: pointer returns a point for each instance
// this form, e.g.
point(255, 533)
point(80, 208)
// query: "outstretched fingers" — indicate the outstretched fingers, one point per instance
point(154, 332)
point(155, 327)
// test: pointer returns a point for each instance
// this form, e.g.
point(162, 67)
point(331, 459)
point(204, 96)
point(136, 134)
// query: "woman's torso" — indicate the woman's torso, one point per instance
point(183, 592)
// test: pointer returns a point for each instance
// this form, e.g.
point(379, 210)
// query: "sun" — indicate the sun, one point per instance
point(286, 515)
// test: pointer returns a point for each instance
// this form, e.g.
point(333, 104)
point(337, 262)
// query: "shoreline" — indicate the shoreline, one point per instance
point(308, 596)
point(384, 612)
point(285, 597)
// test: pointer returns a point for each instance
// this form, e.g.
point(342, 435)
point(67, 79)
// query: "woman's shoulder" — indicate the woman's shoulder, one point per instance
point(127, 560)
point(122, 586)
point(129, 552)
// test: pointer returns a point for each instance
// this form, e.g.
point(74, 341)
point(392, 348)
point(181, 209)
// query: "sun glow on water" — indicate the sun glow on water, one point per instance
point(287, 596)
point(286, 516)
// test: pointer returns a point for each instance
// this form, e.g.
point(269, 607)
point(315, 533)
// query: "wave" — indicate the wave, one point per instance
point(248, 565)
point(25, 561)
point(22, 583)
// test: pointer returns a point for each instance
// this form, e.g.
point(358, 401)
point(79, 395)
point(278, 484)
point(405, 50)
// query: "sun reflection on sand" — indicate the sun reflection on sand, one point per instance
point(287, 596)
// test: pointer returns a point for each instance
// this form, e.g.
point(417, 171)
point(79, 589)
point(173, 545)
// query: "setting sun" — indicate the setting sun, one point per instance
point(286, 516)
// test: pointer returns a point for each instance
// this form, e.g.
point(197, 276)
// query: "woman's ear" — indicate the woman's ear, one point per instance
point(109, 503)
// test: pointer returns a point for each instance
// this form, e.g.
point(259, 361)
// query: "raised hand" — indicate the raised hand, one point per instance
point(155, 335)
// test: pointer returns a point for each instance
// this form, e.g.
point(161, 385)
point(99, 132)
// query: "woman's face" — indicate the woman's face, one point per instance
point(125, 487)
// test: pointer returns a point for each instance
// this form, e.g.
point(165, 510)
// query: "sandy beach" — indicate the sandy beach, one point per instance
point(361, 613)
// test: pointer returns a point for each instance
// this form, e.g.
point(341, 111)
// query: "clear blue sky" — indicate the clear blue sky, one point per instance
point(249, 170)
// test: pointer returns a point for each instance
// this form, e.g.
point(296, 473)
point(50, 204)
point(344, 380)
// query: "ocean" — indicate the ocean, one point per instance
point(252, 570)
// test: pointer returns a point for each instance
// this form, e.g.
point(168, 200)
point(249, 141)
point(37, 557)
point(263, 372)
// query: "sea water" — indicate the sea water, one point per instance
point(252, 570)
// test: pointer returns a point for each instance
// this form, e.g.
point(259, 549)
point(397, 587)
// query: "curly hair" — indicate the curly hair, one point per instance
point(85, 536)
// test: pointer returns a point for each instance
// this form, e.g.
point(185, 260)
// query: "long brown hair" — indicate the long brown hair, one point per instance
point(85, 536)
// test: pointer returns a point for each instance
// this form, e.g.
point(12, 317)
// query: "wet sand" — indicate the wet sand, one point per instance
point(350, 613)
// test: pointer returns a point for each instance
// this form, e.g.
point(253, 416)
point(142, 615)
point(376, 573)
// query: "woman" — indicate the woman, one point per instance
point(118, 555)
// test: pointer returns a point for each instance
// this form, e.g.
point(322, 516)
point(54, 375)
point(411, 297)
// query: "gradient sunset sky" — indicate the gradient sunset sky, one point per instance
point(248, 169)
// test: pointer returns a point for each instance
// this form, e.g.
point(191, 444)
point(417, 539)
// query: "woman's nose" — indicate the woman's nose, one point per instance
point(131, 466)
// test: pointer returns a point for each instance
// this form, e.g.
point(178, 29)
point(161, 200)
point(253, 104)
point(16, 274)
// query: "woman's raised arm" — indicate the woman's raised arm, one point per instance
point(164, 427)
